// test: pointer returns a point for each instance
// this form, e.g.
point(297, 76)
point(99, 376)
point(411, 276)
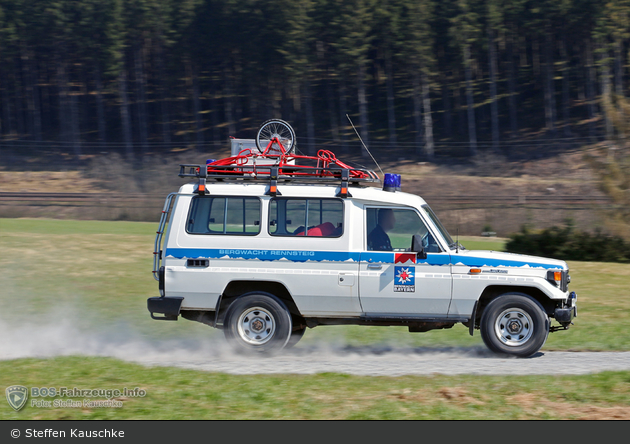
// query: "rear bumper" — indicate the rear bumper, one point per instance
point(168, 307)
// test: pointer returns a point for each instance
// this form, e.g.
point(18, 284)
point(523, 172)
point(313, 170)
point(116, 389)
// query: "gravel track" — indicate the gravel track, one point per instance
point(64, 338)
point(369, 361)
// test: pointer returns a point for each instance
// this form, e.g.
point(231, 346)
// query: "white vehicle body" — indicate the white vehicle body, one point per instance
point(338, 279)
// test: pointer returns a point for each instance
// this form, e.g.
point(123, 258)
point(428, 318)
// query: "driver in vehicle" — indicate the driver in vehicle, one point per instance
point(378, 239)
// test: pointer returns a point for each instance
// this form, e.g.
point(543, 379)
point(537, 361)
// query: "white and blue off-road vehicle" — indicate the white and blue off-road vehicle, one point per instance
point(267, 243)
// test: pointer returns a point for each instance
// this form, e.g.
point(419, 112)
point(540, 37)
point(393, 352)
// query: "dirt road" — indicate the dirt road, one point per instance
point(395, 362)
point(26, 340)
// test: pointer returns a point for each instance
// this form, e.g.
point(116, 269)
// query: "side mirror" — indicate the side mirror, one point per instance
point(416, 245)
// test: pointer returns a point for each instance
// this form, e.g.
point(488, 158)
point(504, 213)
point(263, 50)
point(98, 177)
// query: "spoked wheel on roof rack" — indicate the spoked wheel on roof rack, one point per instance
point(275, 158)
point(275, 137)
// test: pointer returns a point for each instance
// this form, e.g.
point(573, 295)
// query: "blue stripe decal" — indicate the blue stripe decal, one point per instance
point(480, 262)
point(378, 257)
point(435, 259)
point(343, 256)
point(263, 255)
point(390, 258)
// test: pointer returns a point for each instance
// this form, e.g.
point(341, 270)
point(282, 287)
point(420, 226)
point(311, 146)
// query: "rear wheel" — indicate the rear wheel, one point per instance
point(514, 324)
point(257, 322)
point(296, 335)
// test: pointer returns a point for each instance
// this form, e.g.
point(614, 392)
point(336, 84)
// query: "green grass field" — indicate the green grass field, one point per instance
point(97, 275)
point(187, 394)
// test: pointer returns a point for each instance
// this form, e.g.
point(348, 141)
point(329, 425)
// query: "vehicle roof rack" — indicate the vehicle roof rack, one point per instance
point(250, 166)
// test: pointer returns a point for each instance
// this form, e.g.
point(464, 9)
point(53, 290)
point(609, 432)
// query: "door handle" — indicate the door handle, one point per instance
point(374, 266)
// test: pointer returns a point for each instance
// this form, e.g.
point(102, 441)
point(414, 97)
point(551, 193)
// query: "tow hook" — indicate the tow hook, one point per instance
point(559, 327)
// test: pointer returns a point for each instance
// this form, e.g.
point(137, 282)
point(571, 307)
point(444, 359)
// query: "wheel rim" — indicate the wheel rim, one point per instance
point(278, 130)
point(514, 327)
point(256, 326)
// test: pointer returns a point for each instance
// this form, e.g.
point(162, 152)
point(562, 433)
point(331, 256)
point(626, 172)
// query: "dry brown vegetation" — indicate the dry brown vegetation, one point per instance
point(494, 190)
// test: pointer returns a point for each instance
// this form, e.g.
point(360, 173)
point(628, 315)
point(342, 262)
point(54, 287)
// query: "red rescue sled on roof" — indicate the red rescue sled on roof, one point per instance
point(274, 160)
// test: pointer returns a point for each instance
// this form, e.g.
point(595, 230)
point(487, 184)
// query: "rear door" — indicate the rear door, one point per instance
point(312, 257)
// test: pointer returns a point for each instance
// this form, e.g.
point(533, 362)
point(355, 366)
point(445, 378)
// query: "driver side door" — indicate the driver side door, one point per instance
point(395, 281)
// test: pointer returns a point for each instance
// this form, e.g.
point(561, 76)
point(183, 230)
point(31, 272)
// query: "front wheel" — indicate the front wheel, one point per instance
point(257, 322)
point(514, 324)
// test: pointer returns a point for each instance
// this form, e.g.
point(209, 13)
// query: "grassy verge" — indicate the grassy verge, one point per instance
point(483, 243)
point(188, 394)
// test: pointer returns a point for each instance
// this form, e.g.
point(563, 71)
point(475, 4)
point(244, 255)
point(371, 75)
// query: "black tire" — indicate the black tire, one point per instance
point(275, 127)
point(514, 324)
point(296, 335)
point(257, 323)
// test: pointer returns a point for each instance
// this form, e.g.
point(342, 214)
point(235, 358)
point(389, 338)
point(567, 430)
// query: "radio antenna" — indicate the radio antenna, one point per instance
point(457, 246)
point(366, 148)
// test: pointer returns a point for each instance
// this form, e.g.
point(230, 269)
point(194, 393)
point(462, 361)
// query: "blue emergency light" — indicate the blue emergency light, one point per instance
point(391, 182)
point(209, 161)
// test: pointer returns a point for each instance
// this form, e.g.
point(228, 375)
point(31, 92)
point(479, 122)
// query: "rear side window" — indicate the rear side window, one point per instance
point(224, 215)
point(306, 217)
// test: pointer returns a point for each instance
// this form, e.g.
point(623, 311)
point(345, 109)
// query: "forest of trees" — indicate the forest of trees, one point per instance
point(431, 75)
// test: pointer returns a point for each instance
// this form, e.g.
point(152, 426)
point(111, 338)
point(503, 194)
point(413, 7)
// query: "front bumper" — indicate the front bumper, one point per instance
point(169, 307)
point(565, 314)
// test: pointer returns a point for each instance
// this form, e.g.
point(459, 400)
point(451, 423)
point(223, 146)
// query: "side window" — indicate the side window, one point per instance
point(306, 217)
point(224, 215)
point(391, 229)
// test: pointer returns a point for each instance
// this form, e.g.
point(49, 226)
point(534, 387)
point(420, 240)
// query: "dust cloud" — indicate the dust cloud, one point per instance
point(212, 354)
point(64, 337)
point(62, 333)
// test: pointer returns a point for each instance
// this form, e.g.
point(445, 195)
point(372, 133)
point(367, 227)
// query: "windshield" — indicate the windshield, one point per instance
point(447, 237)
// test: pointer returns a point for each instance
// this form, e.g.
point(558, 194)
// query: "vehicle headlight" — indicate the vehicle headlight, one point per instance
point(560, 278)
